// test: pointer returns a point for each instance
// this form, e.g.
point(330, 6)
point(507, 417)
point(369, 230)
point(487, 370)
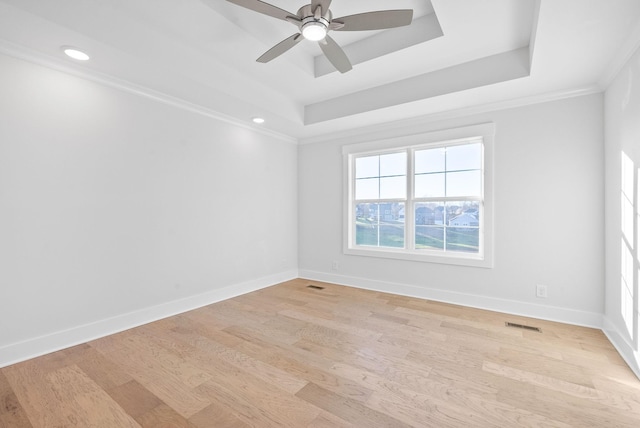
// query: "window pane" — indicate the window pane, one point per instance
point(367, 167)
point(431, 160)
point(463, 214)
point(392, 235)
point(380, 225)
point(367, 188)
point(627, 175)
point(626, 210)
point(429, 237)
point(429, 225)
point(429, 186)
point(393, 187)
point(462, 232)
point(468, 156)
point(466, 183)
point(429, 213)
point(393, 164)
point(463, 239)
point(463, 220)
point(365, 212)
point(366, 224)
point(452, 210)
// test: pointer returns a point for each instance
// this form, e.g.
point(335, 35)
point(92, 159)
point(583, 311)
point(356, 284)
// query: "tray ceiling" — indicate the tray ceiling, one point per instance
point(456, 54)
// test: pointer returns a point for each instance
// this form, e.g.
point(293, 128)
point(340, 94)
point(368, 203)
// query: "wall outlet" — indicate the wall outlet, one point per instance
point(335, 265)
point(541, 291)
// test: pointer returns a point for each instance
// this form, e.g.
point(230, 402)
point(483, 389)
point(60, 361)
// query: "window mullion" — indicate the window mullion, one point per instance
point(352, 227)
point(379, 179)
point(445, 213)
point(378, 215)
point(409, 210)
point(481, 228)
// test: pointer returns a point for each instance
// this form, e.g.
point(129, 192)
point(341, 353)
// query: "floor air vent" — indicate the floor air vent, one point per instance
point(522, 326)
point(315, 287)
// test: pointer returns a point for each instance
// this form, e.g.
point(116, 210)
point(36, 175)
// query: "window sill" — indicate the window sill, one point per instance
point(419, 256)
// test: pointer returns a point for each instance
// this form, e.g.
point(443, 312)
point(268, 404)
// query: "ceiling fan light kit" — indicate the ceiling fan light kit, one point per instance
point(314, 31)
point(315, 25)
point(315, 20)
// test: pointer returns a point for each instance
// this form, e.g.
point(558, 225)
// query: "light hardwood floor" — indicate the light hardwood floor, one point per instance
point(293, 356)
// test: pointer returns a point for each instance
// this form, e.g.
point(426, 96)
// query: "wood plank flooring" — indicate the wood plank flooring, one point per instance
point(293, 356)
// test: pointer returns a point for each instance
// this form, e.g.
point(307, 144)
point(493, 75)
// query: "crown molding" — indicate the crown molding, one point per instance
point(26, 54)
point(369, 132)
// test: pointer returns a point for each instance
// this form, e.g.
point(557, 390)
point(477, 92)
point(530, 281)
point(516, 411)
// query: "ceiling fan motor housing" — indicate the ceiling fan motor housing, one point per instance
point(308, 18)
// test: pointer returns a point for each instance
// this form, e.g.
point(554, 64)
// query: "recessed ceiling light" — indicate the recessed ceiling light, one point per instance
point(75, 53)
point(258, 120)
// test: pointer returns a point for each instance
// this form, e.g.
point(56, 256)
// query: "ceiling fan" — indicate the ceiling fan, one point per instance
point(315, 20)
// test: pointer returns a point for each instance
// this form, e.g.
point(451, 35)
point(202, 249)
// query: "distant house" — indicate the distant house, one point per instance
point(424, 215)
point(464, 220)
point(438, 215)
point(387, 212)
point(380, 212)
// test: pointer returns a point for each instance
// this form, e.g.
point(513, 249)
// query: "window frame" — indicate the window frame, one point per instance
point(412, 143)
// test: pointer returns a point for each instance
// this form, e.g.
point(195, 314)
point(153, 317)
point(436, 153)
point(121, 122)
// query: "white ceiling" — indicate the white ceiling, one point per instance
point(200, 54)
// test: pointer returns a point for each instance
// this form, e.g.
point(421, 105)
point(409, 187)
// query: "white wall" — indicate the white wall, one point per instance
point(114, 207)
point(622, 124)
point(548, 222)
point(116, 210)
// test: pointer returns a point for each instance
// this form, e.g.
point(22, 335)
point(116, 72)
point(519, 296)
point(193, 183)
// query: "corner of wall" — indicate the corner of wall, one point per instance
point(624, 348)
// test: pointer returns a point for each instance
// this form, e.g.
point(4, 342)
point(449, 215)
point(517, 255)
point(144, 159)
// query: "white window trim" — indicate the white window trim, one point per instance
point(486, 131)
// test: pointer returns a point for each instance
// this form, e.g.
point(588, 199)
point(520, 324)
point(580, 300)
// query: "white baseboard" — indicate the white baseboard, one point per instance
point(514, 307)
point(34, 347)
point(624, 348)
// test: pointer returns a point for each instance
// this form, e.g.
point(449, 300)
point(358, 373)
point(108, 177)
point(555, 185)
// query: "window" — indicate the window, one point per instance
point(424, 197)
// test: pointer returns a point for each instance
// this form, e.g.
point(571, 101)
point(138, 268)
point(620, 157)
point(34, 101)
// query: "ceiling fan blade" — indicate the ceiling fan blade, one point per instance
point(375, 20)
point(280, 48)
point(264, 8)
point(324, 3)
point(335, 54)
